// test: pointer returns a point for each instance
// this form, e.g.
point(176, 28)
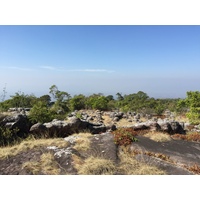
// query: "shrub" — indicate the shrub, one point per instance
point(193, 102)
point(8, 136)
point(124, 136)
point(40, 113)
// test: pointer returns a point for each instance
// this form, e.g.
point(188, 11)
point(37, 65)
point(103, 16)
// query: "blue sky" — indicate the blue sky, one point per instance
point(163, 61)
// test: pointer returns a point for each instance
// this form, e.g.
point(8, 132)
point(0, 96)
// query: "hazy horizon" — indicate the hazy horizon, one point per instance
point(162, 61)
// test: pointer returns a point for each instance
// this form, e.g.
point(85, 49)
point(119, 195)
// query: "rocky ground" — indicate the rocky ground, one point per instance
point(87, 146)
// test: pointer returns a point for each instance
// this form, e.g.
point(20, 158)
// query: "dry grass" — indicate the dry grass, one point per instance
point(129, 166)
point(191, 136)
point(182, 118)
point(158, 136)
point(107, 120)
point(82, 143)
point(124, 122)
point(121, 123)
point(96, 166)
point(24, 146)
point(47, 165)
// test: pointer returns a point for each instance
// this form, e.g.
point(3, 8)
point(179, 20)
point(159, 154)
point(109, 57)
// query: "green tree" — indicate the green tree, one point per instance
point(193, 102)
point(19, 100)
point(97, 101)
point(45, 98)
point(77, 102)
point(61, 99)
point(40, 113)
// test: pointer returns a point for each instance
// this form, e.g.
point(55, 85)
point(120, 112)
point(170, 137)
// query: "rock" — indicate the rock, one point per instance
point(116, 119)
point(119, 115)
point(97, 129)
point(37, 127)
point(154, 126)
point(61, 128)
point(17, 121)
point(177, 128)
point(102, 145)
point(140, 127)
point(169, 168)
point(166, 127)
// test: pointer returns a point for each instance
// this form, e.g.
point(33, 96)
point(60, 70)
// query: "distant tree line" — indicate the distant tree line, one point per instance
point(58, 103)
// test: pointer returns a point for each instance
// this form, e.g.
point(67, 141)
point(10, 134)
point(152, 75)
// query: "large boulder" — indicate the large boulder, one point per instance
point(166, 127)
point(60, 128)
point(177, 127)
point(17, 121)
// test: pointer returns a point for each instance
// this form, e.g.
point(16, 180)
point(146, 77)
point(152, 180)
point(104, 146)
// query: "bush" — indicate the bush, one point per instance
point(8, 137)
point(193, 102)
point(124, 136)
point(40, 113)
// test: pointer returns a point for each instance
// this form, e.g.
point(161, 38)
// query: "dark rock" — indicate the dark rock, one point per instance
point(177, 128)
point(154, 126)
point(169, 168)
point(140, 127)
point(166, 127)
point(97, 129)
point(102, 145)
point(37, 128)
point(17, 121)
point(116, 119)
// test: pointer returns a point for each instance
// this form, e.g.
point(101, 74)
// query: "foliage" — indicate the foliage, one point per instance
point(61, 99)
point(8, 136)
point(97, 101)
point(40, 113)
point(193, 102)
point(135, 102)
point(77, 102)
point(124, 136)
point(18, 100)
point(46, 99)
point(2, 97)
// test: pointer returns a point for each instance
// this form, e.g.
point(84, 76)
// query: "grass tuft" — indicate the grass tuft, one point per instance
point(82, 143)
point(96, 166)
point(158, 136)
point(24, 146)
point(130, 166)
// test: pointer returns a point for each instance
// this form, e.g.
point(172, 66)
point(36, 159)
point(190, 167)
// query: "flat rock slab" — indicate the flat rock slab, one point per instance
point(180, 151)
point(102, 145)
point(13, 164)
point(169, 168)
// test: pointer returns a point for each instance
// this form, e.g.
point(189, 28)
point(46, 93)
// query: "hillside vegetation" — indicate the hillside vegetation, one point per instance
point(83, 121)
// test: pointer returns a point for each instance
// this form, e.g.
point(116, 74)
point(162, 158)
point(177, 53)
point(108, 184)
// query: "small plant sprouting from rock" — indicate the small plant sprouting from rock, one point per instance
point(124, 136)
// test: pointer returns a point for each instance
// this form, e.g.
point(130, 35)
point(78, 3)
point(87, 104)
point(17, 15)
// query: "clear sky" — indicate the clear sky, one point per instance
point(163, 61)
